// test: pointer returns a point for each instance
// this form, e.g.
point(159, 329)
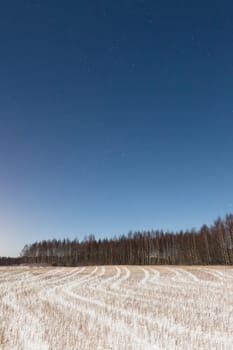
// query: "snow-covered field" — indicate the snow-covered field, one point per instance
point(116, 307)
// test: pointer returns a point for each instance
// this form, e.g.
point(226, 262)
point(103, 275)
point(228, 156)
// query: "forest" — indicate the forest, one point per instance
point(210, 245)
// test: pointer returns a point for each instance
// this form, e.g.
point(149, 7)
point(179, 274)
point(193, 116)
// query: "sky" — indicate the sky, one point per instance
point(114, 116)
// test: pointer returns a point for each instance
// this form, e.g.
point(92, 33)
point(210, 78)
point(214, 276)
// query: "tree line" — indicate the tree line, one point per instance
point(7, 261)
point(208, 245)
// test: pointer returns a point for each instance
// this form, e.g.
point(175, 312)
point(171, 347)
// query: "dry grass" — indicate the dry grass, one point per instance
point(116, 307)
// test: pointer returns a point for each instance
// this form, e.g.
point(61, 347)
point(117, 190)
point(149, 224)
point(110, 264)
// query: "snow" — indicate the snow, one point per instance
point(116, 307)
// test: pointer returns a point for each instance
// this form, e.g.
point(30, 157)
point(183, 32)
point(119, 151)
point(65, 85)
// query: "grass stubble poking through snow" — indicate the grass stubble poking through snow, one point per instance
point(116, 307)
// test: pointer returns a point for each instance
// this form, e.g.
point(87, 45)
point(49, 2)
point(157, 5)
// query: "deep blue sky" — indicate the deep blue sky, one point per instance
point(114, 116)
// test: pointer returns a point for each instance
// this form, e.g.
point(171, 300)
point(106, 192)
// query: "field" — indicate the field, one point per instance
point(116, 307)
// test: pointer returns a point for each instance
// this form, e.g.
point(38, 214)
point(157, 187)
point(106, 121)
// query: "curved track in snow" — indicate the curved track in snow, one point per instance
point(116, 307)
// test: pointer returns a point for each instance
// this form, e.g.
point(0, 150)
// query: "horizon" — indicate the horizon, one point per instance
point(114, 117)
point(115, 236)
